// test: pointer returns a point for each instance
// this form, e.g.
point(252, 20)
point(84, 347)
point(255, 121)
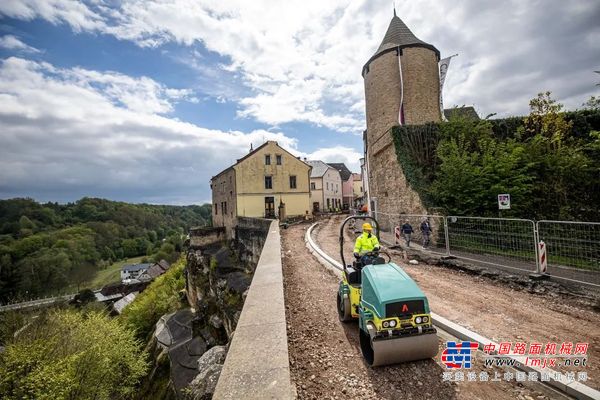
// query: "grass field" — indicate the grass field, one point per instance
point(111, 274)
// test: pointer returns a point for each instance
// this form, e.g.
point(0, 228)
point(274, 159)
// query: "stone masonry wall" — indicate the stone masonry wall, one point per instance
point(421, 104)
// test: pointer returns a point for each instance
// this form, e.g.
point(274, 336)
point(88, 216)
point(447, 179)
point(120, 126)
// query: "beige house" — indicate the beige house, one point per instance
point(325, 187)
point(269, 182)
point(357, 188)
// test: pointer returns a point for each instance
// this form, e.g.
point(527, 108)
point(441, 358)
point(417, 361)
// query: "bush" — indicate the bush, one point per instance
point(159, 298)
point(66, 354)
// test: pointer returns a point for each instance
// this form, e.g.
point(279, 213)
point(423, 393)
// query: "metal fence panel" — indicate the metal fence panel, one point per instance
point(436, 242)
point(502, 242)
point(573, 250)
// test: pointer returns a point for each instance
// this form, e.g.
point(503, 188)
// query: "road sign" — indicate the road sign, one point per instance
point(504, 201)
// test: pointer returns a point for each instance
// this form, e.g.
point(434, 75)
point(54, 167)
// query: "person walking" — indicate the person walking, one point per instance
point(426, 232)
point(406, 231)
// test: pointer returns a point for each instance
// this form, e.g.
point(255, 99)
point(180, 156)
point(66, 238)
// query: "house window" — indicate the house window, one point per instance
point(268, 182)
point(313, 186)
point(278, 159)
point(292, 182)
point(268, 159)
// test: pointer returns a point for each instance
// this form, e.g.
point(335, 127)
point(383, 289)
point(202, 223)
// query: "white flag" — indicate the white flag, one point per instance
point(443, 65)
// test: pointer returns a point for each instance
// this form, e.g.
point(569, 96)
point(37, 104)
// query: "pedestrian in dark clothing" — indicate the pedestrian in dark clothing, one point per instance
point(426, 232)
point(407, 230)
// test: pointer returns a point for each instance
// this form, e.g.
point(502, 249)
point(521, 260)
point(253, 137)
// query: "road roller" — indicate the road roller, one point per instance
point(393, 313)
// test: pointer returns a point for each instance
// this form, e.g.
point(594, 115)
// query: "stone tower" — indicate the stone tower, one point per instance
point(403, 71)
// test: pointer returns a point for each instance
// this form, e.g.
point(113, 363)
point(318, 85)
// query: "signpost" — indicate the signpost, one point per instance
point(504, 201)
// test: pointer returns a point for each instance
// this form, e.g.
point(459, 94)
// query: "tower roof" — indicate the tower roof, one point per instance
point(399, 36)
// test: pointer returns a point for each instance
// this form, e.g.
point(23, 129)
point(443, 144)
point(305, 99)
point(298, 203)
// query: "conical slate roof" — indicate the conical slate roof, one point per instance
point(399, 36)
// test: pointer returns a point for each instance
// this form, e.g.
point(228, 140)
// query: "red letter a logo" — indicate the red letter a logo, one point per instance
point(404, 308)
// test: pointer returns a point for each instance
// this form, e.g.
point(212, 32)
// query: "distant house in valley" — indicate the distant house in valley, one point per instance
point(347, 184)
point(133, 271)
point(156, 270)
point(268, 182)
point(120, 305)
point(325, 187)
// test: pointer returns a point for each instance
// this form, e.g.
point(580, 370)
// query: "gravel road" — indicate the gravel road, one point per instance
point(325, 358)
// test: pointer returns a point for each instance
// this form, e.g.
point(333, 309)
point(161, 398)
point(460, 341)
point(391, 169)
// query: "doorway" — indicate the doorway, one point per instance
point(269, 207)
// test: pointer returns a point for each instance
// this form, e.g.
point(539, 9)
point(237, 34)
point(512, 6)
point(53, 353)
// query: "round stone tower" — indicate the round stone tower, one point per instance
point(402, 86)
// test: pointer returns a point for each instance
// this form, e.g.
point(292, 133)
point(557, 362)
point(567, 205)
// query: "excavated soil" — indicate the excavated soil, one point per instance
point(493, 309)
point(325, 358)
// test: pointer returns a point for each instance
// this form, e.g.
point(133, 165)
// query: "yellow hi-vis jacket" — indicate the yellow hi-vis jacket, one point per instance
point(364, 243)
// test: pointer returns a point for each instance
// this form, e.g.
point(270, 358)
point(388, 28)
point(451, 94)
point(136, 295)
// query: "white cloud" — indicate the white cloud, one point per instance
point(347, 155)
point(75, 13)
point(138, 94)
point(11, 42)
point(302, 59)
point(64, 131)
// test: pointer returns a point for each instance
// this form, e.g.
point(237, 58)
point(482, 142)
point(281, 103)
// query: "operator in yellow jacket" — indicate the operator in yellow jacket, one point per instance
point(366, 242)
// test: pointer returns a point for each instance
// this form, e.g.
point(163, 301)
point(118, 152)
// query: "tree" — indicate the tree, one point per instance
point(546, 119)
point(72, 355)
point(84, 297)
point(593, 103)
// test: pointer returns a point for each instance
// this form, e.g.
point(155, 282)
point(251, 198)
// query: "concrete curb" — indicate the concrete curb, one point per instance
point(575, 389)
point(257, 363)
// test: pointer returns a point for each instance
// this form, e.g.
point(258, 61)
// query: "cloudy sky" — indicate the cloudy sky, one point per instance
point(144, 101)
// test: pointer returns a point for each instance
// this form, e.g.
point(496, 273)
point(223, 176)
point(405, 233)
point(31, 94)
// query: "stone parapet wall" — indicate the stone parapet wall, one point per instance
point(257, 363)
point(203, 237)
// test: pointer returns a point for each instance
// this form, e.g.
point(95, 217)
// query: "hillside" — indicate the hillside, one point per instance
point(47, 248)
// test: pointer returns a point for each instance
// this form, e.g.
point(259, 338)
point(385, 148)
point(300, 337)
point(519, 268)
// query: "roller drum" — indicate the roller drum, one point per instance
point(384, 351)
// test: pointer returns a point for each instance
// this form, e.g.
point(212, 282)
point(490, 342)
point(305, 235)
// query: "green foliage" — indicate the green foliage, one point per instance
point(161, 297)
point(549, 162)
point(593, 103)
point(416, 152)
point(475, 167)
point(72, 355)
point(45, 248)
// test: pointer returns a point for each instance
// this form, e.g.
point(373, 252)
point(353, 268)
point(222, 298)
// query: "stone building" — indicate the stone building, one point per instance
point(358, 192)
point(268, 182)
point(402, 86)
point(347, 182)
point(325, 187)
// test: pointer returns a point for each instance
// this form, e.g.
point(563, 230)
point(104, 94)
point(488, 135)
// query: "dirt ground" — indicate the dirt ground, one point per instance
point(494, 310)
point(325, 358)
